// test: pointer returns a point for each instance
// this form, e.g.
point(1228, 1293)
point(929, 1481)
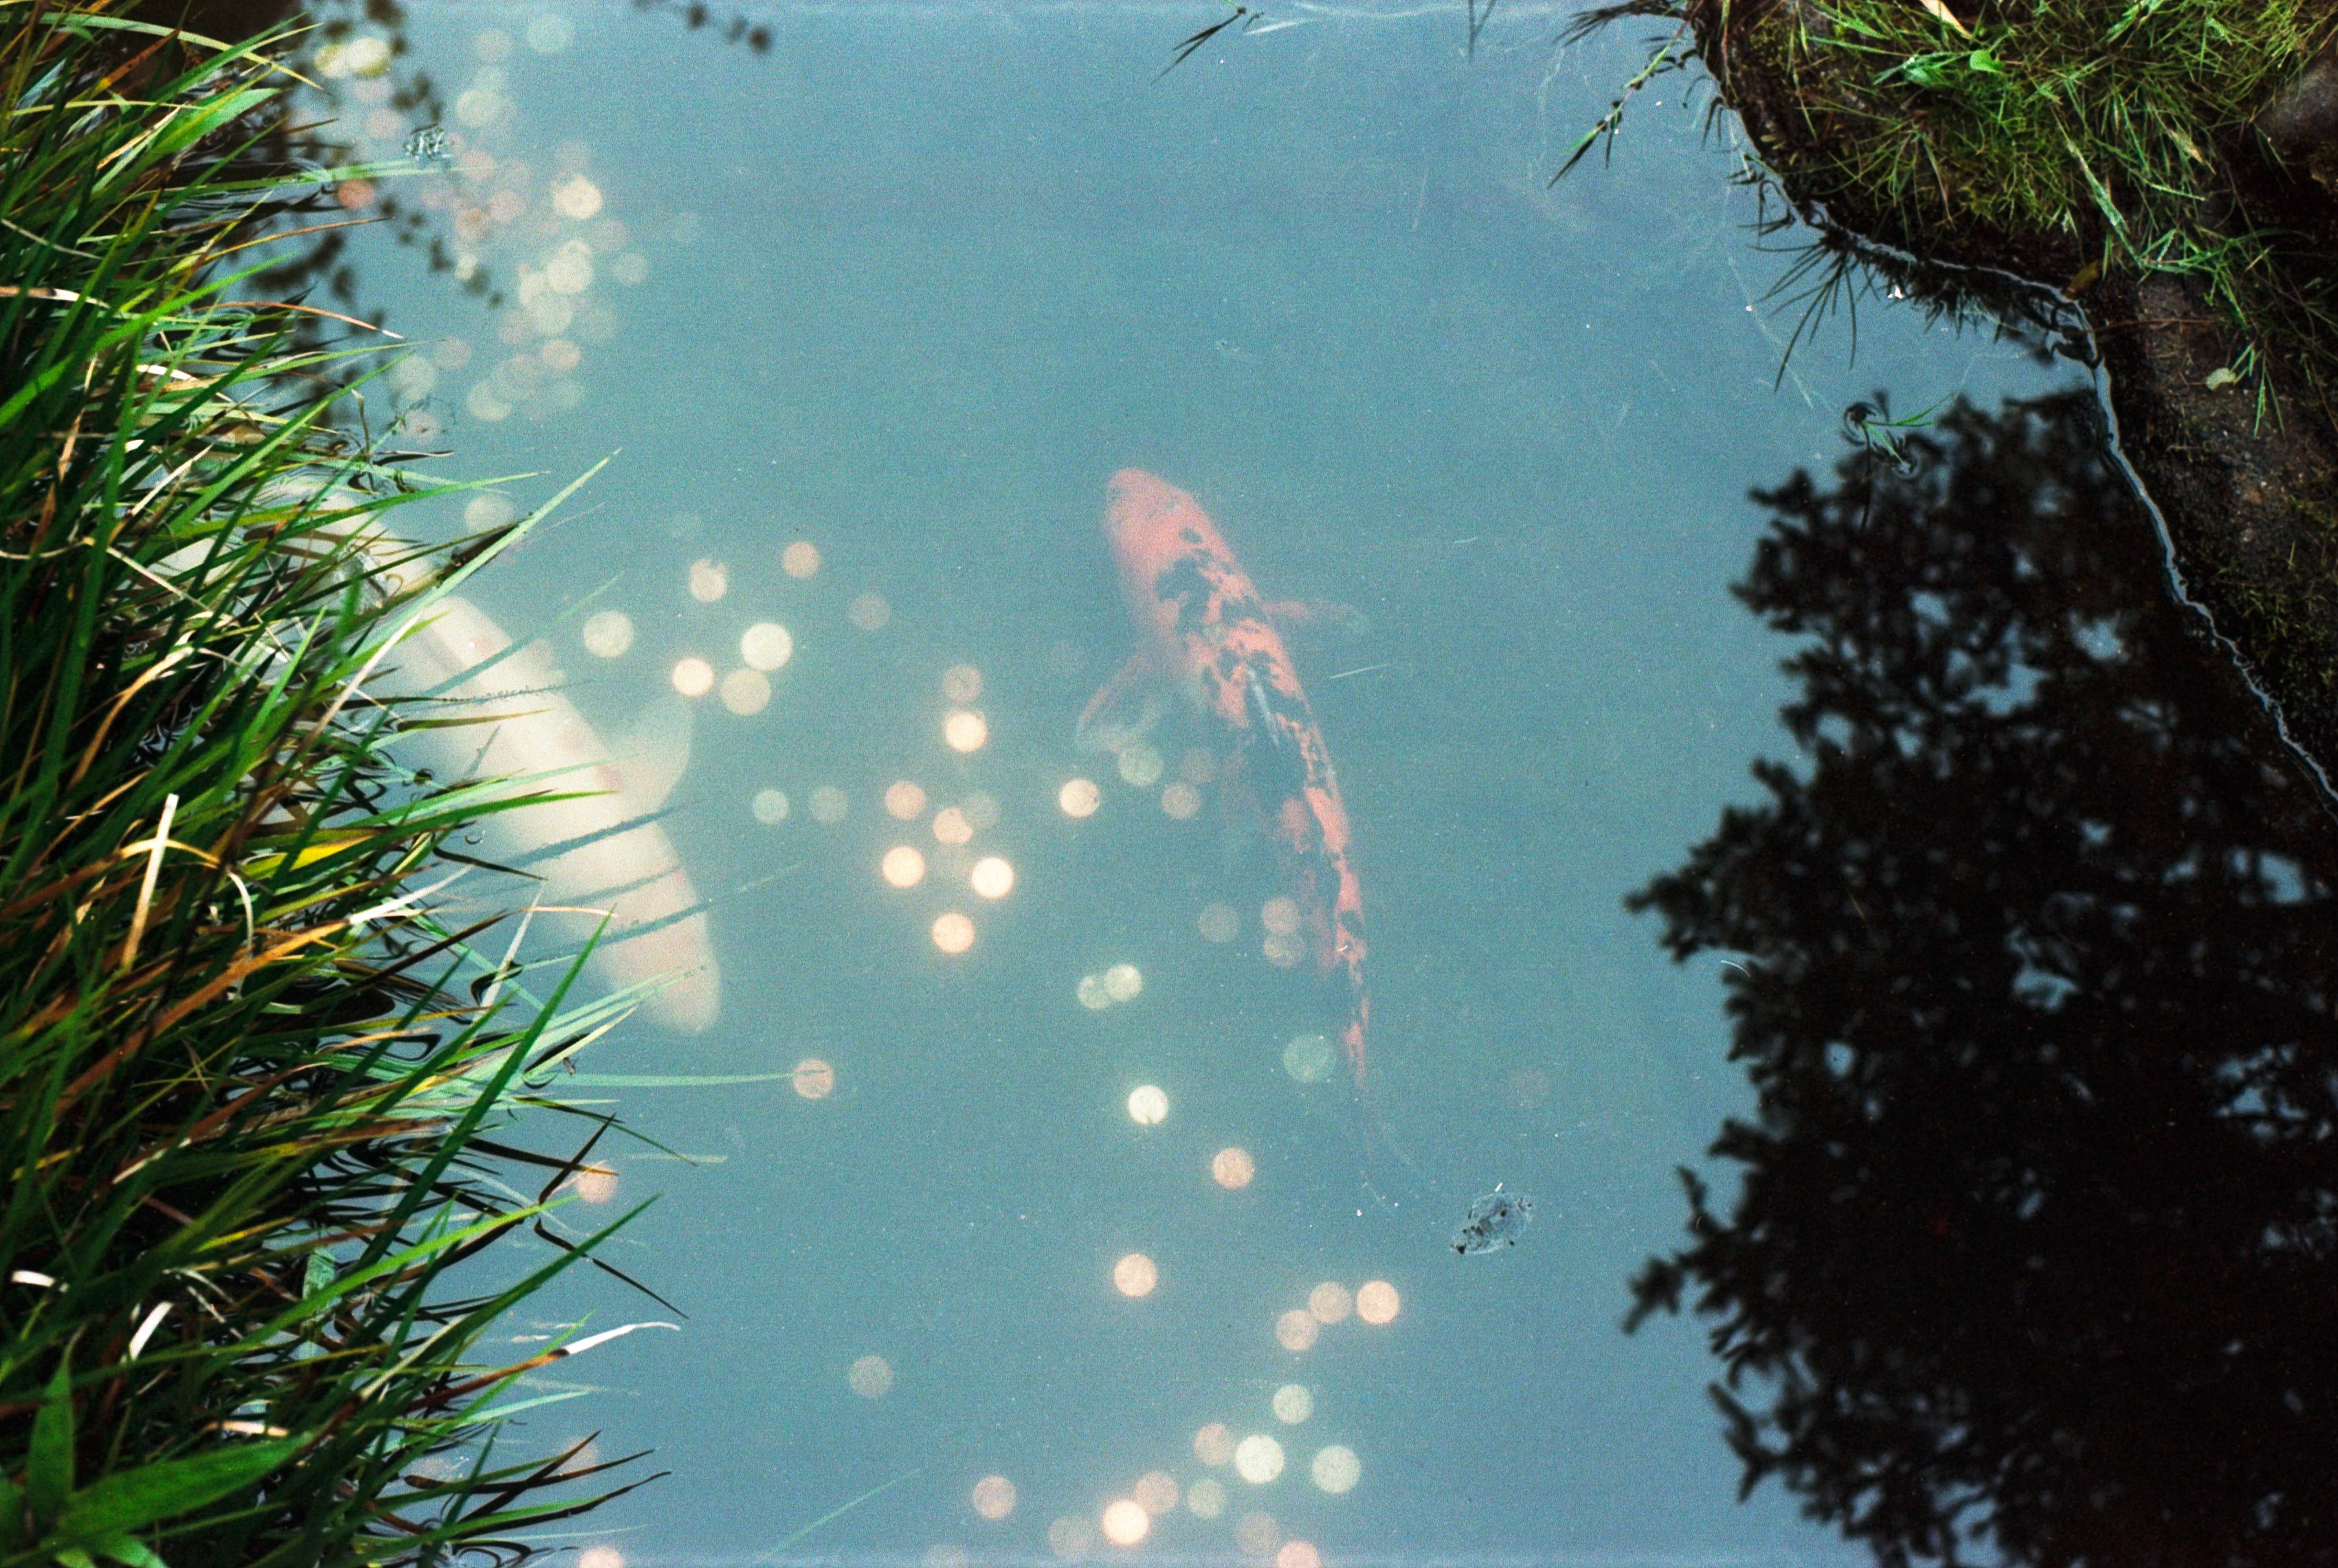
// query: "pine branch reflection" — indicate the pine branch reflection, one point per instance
point(2035, 1245)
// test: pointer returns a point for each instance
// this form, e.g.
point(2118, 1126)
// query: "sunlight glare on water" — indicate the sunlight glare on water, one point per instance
point(870, 314)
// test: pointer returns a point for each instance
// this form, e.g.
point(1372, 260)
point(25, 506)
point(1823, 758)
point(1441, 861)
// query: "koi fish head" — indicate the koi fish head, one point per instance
point(1154, 527)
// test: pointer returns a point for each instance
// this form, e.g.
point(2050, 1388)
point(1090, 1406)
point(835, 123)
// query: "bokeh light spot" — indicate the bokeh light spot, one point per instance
point(1148, 1105)
point(1140, 765)
point(601, 1557)
point(962, 683)
point(1293, 1404)
point(1296, 1329)
point(709, 579)
point(902, 867)
point(1121, 982)
point(1213, 1444)
point(1092, 994)
point(1232, 1169)
point(770, 807)
point(1377, 1302)
point(1069, 1538)
point(746, 692)
point(1134, 1275)
point(965, 730)
point(992, 878)
point(1298, 1554)
point(1181, 800)
point(1155, 1491)
point(1279, 914)
point(1283, 952)
point(953, 933)
point(1219, 923)
point(1330, 1301)
point(813, 1079)
point(981, 808)
point(1258, 1458)
point(903, 800)
point(576, 197)
point(1199, 765)
point(608, 635)
point(766, 645)
point(1308, 1057)
point(693, 677)
point(1126, 1522)
point(1206, 1497)
point(828, 804)
point(1079, 798)
point(800, 559)
point(951, 827)
point(871, 1376)
point(596, 1183)
point(1336, 1469)
point(1258, 1534)
point(1530, 1087)
point(994, 1497)
point(869, 613)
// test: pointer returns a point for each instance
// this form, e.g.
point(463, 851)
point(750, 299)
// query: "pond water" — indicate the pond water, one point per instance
point(1059, 1219)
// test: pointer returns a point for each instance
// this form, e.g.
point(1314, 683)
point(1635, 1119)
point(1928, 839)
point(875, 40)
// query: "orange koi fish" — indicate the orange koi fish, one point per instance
point(1203, 632)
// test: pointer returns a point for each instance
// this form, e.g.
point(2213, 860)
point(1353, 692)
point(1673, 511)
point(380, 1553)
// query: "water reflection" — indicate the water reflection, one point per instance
point(2029, 958)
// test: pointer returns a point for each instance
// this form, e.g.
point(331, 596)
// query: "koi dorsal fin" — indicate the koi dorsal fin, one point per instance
point(1125, 710)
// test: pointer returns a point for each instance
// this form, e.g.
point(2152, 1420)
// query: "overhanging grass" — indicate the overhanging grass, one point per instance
point(247, 1086)
point(2004, 130)
point(2068, 115)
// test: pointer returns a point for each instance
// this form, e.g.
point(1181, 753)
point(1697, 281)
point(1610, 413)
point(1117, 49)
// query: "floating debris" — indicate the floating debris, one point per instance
point(1495, 1220)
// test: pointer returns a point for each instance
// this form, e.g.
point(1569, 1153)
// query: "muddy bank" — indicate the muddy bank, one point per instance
point(2230, 432)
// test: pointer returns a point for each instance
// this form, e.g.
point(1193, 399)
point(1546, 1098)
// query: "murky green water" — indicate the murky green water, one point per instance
point(908, 286)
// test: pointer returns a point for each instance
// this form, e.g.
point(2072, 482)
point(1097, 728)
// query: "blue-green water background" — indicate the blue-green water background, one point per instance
point(920, 278)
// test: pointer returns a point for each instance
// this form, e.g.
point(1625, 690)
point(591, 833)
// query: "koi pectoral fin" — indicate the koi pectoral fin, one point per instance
point(1317, 615)
point(1125, 710)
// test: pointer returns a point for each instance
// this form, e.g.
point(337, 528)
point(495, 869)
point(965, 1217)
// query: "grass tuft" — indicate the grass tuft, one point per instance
point(246, 1095)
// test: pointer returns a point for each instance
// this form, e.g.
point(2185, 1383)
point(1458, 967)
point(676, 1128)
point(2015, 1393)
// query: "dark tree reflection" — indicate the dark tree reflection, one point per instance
point(2033, 1253)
